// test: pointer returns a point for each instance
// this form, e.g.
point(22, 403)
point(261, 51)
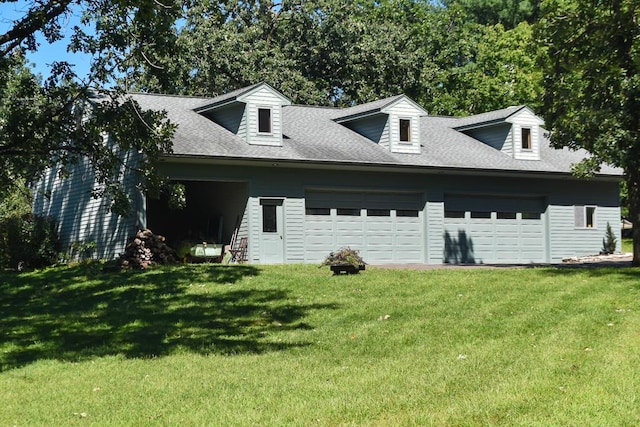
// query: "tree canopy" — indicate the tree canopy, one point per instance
point(339, 53)
point(62, 118)
point(592, 87)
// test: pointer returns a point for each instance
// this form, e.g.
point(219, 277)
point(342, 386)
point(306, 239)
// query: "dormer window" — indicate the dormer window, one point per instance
point(526, 139)
point(405, 130)
point(264, 120)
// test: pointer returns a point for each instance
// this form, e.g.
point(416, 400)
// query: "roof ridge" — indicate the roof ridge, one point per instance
point(169, 95)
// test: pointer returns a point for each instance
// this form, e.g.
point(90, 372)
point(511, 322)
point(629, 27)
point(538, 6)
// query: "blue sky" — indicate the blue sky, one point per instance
point(47, 53)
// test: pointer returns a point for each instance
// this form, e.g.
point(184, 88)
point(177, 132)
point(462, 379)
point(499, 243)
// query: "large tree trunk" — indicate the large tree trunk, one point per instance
point(633, 198)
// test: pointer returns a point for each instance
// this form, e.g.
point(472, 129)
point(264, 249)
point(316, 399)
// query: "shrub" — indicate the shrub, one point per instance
point(345, 256)
point(28, 240)
point(609, 241)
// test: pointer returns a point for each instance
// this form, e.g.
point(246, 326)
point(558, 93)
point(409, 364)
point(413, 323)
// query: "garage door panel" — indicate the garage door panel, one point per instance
point(378, 232)
point(506, 236)
point(379, 227)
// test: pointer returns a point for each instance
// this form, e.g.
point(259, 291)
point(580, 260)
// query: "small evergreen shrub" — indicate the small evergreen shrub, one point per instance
point(608, 242)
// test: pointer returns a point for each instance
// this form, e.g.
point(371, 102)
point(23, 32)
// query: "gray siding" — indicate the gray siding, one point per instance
point(232, 118)
point(526, 119)
point(404, 110)
point(567, 240)
point(264, 98)
point(499, 137)
point(374, 128)
point(80, 217)
point(85, 219)
point(294, 229)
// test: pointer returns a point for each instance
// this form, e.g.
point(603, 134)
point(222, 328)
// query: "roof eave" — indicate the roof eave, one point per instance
point(386, 167)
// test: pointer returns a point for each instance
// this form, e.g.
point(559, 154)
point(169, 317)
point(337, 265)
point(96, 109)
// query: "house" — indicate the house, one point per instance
point(385, 177)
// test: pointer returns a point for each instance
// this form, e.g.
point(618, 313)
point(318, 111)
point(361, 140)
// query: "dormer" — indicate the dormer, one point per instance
point(516, 131)
point(253, 113)
point(393, 123)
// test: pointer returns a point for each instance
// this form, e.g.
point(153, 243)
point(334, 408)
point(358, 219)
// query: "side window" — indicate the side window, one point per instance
point(264, 120)
point(405, 130)
point(585, 216)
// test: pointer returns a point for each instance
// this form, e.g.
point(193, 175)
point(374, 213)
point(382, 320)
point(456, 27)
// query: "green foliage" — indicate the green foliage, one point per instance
point(609, 241)
point(28, 241)
point(62, 120)
point(339, 53)
point(80, 251)
point(592, 88)
point(344, 256)
point(506, 12)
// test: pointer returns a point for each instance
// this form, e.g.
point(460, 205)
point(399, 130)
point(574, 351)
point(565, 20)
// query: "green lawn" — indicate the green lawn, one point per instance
point(293, 345)
point(627, 245)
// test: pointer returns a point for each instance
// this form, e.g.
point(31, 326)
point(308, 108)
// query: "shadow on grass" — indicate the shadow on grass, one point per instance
point(77, 313)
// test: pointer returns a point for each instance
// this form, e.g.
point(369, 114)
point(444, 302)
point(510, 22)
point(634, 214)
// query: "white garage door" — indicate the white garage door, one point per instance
point(384, 227)
point(493, 230)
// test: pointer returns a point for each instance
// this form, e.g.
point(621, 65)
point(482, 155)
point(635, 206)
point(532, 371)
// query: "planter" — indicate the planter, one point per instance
point(346, 268)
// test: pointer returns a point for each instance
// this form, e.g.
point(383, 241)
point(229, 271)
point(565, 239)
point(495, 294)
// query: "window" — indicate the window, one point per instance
point(405, 130)
point(585, 216)
point(348, 212)
point(506, 215)
point(378, 212)
point(269, 221)
point(264, 120)
point(526, 139)
point(453, 214)
point(270, 214)
point(318, 211)
point(479, 214)
point(407, 213)
point(531, 215)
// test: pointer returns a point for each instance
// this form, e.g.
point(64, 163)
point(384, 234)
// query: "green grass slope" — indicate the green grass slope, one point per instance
point(294, 345)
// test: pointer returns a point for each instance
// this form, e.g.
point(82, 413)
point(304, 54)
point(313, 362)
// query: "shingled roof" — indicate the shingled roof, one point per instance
point(312, 135)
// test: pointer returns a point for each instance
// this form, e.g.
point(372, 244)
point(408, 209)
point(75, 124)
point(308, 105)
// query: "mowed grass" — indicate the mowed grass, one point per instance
point(294, 345)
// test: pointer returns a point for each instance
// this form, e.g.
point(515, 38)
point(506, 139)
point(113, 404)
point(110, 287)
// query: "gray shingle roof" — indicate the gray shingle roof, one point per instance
point(230, 96)
point(489, 117)
point(311, 135)
point(365, 109)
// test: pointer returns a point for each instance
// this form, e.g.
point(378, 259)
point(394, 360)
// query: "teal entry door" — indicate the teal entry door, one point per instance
point(272, 231)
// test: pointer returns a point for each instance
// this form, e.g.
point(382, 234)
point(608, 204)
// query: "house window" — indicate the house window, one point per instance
point(318, 211)
point(269, 221)
point(378, 212)
point(585, 216)
point(348, 212)
point(270, 214)
point(405, 130)
point(531, 215)
point(480, 214)
point(453, 214)
point(264, 120)
point(526, 139)
point(406, 213)
point(506, 215)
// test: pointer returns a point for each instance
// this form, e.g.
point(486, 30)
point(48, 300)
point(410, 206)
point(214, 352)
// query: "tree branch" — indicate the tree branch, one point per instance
point(35, 20)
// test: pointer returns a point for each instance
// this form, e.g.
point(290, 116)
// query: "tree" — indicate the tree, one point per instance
point(63, 119)
point(592, 87)
point(509, 13)
point(332, 52)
